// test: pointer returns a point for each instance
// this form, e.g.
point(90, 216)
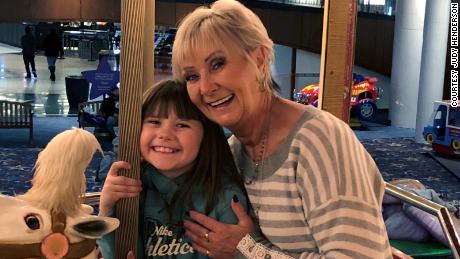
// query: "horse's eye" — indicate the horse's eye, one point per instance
point(32, 221)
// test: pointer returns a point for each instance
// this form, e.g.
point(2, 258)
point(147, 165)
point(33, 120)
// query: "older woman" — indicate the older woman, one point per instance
point(314, 189)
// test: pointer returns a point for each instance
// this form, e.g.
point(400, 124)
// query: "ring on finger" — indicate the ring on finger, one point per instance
point(207, 253)
point(206, 236)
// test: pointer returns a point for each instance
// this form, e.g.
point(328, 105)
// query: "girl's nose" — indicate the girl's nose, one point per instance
point(165, 132)
point(165, 137)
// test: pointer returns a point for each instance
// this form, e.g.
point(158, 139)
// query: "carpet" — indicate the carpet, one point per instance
point(45, 128)
point(452, 164)
point(396, 158)
point(16, 170)
point(404, 158)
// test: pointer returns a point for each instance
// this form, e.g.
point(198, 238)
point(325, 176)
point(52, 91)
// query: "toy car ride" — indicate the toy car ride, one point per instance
point(364, 95)
point(444, 131)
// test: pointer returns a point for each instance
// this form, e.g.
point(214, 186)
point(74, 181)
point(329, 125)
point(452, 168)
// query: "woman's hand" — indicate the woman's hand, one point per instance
point(215, 239)
point(397, 254)
point(117, 187)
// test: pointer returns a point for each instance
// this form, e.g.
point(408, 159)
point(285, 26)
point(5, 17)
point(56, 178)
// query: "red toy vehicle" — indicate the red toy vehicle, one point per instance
point(364, 95)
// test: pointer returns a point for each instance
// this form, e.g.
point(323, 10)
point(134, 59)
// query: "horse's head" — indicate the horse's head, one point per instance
point(30, 232)
point(49, 220)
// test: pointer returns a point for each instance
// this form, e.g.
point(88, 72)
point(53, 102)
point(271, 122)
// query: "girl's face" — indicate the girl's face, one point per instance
point(170, 144)
point(224, 85)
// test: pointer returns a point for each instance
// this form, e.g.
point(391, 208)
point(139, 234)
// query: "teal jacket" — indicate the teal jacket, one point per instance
point(161, 231)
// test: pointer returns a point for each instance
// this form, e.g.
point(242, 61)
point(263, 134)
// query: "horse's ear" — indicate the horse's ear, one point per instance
point(95, 226)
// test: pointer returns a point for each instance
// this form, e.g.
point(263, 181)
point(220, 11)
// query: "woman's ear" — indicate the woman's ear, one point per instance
point(259, 56)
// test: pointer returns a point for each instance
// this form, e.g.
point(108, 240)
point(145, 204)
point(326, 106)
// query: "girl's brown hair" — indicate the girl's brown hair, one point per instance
point(214, 163)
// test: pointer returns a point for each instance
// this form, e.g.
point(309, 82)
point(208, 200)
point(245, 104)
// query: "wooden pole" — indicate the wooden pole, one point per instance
point(137, 26)
point(337, 55)
point(293, 72)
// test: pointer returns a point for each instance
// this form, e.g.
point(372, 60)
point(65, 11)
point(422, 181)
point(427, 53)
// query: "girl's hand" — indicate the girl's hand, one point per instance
point(117, 187)
point(215, 239)
point(130, 255)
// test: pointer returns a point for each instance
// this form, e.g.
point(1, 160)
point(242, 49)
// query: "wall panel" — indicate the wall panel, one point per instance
point(312, 29)
point(182, 9)
point(282, 25)
point(165, 13)
point(55, 10)
point(107, 10)
point(11, 11)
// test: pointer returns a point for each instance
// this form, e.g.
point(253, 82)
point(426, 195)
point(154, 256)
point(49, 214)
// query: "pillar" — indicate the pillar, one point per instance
point(407, 53)
point(435, 37)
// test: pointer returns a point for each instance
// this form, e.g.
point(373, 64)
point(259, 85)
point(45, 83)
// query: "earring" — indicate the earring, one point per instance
point(263, 83)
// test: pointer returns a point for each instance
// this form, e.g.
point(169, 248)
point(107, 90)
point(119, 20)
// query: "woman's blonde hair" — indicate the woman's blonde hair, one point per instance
point(225, 23)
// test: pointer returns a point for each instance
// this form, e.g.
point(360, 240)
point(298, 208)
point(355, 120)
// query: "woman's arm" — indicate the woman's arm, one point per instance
point(224, 233)
point(229, 238)
point(342, 191)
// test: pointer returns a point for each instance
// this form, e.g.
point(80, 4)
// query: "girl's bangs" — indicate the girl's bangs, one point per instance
point(170, 99)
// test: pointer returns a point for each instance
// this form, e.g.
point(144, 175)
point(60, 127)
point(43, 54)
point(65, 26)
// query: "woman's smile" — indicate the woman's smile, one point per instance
point(223, 102)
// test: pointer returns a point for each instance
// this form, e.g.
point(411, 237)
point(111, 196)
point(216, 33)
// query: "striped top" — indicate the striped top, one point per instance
point(318, 196)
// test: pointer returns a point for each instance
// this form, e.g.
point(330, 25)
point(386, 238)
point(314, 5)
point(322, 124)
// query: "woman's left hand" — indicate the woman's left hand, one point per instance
point(215, 239)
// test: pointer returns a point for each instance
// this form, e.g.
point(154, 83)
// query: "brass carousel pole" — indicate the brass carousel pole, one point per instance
point(136, 74)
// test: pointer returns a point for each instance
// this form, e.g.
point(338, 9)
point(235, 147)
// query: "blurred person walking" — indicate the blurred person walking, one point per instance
point(53, 48)
point(29, 46)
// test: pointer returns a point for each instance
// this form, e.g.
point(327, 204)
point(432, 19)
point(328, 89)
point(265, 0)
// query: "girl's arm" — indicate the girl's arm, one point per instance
point(115, 187)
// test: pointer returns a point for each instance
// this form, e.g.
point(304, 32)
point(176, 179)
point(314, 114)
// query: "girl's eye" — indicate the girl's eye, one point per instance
point(182, 125)
point(217, 64)
point(153, 121)
point(191, 78)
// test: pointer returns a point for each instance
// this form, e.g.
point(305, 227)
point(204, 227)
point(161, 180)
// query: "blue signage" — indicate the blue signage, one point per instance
point(102, 80)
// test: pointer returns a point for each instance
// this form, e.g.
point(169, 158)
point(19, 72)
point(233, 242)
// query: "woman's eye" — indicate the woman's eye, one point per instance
point(182, 125)
point(32, 222)
point(191, 78)
point(217, 64)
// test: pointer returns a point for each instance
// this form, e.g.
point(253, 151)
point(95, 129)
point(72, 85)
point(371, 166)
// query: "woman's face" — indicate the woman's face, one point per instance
point(224, 85)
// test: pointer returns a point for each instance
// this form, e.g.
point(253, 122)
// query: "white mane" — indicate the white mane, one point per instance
point(59, 181)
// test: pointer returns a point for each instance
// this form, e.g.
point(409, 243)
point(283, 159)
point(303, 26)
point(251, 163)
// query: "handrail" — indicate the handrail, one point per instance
point(434, 209)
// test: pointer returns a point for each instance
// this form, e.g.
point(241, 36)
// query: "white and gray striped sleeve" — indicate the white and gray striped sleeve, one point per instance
point(341, 189)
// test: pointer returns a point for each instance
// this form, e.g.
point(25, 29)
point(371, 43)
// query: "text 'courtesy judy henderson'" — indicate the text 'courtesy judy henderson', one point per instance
point(454, 54)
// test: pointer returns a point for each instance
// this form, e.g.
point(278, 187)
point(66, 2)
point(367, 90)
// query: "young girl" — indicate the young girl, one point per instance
point(187, 166)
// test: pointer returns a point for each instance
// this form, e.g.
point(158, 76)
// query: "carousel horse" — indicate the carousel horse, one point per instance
point(50, 219)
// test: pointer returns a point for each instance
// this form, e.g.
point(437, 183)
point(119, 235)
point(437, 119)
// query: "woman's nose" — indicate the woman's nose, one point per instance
point(207, 86)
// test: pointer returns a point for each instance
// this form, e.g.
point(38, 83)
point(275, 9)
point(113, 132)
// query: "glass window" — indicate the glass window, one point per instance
point(454, 117)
